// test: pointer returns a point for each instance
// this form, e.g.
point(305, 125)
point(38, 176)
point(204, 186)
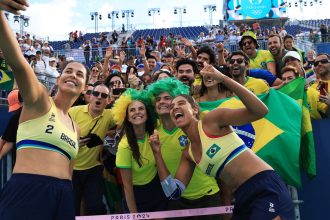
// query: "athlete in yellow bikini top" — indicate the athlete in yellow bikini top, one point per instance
point(56, 137)
point(217, 151)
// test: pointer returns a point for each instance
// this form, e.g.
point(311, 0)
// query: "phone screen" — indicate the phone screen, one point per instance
point(323, 86)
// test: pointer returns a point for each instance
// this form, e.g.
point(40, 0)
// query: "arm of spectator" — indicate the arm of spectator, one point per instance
point(189, 45)
point(34, 94)
point(107, 56)
point(143, 51)
point(271, 67)
point(122, 56)
point(127, 178)
point(7, 146)
point(221, 58)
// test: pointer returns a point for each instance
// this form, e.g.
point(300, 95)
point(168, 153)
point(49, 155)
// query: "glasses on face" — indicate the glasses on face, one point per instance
point(323, 61)
point(95, 70)
point(103, 95)
point(89, 92)
point(239, 61)
point(246, 43)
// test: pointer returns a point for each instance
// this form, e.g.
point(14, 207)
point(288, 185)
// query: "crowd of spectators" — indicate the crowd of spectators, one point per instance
point(140, 62)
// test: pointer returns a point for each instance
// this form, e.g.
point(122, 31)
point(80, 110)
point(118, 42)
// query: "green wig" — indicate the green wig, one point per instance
point(171, 85)
point(121, 104)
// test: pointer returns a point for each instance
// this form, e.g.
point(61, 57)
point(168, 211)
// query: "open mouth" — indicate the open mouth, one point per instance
point(178, 115)
point(71, 82)
point(98, 103)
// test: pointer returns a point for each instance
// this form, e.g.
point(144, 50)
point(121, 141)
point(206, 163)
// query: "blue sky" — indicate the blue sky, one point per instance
point(56, 18)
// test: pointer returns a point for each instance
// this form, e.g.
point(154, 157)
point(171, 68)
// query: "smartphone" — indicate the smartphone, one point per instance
point(323, 86)
point(118, 91)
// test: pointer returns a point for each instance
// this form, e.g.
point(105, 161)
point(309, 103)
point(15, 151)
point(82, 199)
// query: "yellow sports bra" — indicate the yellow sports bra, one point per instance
point(48, 133)
point(217, 151)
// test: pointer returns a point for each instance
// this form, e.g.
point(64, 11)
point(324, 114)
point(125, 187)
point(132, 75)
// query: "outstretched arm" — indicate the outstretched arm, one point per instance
point(31, 90)
point(254, 107)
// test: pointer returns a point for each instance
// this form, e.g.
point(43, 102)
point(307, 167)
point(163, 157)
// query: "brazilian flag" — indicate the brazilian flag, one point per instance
point(274, 138)
point(296, 90)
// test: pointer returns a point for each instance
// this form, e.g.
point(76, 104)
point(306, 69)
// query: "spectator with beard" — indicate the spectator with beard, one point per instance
point(322, 71)
point(238, 69)
point(276, 48)
point(258, 59)
point(186, 71)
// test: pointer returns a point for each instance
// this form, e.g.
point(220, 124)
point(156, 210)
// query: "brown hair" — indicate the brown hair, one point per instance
point(290, 68)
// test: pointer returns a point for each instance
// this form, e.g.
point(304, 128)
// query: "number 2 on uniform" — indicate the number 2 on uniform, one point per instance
point(49, 129)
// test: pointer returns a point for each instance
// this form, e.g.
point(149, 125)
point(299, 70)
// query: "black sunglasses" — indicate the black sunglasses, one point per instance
point(89, 92)
point(239, 61)
point(246, 43)
point(103, 95)
point(324, 61)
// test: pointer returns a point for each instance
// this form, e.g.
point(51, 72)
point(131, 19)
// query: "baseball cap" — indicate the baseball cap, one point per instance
point(14, 100)
point(249, 34)
point(52, 59)
point(292, 54)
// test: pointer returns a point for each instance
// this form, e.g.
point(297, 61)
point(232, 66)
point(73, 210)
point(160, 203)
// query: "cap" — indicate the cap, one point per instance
point(13, 100)
point(292, 54)
point(140, 66)
point(68, 59)
point(249, 34)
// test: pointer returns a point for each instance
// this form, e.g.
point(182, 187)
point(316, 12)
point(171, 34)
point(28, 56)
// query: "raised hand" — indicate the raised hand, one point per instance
point(13, 6)
point(186, 42)
point(211, 72)
point(154, 142)
point(108, 52)
point(143, 50)
point(220, 47)
point(122, 56)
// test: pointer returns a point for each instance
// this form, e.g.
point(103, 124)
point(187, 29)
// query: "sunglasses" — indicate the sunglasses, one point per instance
point(324, 61)
point(103, 95)
point(89, 92)
point(239, 61)
point(95, 70)
point(246, 43)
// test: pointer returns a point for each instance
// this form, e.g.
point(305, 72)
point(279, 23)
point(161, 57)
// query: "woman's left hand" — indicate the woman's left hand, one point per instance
point(14, 6)
point(209, 71)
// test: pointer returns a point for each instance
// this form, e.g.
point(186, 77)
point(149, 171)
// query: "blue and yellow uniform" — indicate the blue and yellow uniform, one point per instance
point(202, 190)
point(53, 196)
point(263, 196)
point(217, 151)
point(146, 183)
point(55, 136)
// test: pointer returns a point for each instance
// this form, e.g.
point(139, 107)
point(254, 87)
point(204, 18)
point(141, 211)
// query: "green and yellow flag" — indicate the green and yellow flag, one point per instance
point(274, 138)
point(296, 90)
point(6, 76)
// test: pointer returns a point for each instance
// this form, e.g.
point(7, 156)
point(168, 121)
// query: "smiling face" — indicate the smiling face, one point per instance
point(163, 102)
point(237, 65)
point(201, 58)
point(137, 113)
point(182, 112)
point(274, 45)
point(248, 45)
point(73, 78)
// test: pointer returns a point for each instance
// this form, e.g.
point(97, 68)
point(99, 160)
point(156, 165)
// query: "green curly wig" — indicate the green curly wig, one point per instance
point(171, 85)
point(121, 104)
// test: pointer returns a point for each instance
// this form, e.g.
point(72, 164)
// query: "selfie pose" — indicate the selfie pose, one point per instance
point(217, 151)
point(47, 138)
